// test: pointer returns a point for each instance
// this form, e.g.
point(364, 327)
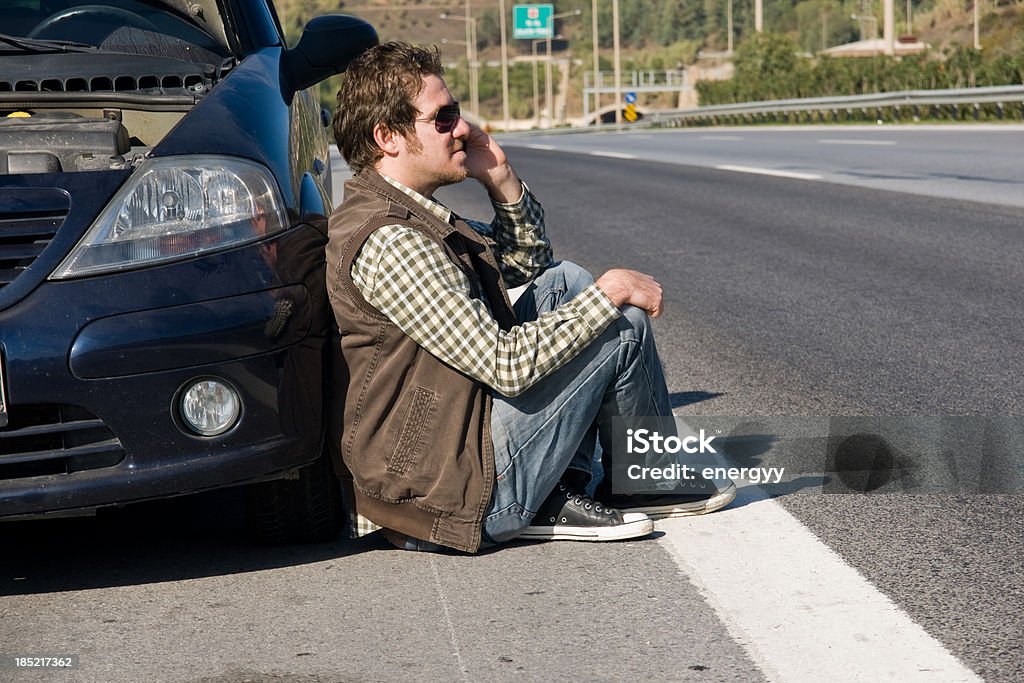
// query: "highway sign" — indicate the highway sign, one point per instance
point(532, 21)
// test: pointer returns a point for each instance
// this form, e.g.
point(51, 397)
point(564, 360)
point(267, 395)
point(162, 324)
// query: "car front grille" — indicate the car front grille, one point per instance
point(29, 218)
point(55, 439)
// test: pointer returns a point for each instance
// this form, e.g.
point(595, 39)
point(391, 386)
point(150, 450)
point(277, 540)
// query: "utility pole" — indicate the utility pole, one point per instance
point(889, 27)
point(729, 22)
point(536, 96)
point(474, 73)
point(977, 34)
point(618, 62)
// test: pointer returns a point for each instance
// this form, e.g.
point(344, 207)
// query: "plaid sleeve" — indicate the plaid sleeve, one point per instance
point(408, 278)
point(522, 246)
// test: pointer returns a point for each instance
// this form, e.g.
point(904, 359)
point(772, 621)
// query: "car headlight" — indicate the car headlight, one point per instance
point(177, 207)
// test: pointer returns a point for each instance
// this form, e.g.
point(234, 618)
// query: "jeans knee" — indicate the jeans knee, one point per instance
point(638, 320)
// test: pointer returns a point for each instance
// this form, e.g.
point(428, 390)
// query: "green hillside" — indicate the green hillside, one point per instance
point(660, 34)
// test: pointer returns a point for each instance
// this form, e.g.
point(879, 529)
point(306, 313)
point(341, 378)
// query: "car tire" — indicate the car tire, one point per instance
point(304, 509)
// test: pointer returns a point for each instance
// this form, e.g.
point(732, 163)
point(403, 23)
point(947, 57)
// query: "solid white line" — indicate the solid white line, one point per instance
point(546, 148)
point(769, 171)
point(798, 609)
point(613, 155)
point(856, 142)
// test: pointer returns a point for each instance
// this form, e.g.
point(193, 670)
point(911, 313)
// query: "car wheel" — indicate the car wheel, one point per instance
point(304, 509)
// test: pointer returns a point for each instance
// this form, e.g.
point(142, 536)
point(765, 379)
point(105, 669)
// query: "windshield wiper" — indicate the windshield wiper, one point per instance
point(36, 46)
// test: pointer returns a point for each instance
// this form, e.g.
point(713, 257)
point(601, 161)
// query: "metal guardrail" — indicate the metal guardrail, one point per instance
point(848, 108)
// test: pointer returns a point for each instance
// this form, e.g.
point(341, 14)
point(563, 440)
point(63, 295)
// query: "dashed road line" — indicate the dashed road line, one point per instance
point(856, 142)
point(769, 171)
point(612, 155)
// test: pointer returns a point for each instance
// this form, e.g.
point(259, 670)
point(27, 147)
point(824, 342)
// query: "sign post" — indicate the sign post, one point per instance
point(630, 113)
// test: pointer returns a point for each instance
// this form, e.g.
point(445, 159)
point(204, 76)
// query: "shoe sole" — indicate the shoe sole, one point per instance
point(699, 507)
point(620, 532)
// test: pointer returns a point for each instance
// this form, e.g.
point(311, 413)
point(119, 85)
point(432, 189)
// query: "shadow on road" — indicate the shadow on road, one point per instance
point(170, 540)
point(679, 399)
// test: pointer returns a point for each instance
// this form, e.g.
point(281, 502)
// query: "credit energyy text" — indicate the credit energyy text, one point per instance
point(755, 475)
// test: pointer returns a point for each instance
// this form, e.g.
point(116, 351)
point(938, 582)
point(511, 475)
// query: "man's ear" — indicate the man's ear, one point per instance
point(386, 139)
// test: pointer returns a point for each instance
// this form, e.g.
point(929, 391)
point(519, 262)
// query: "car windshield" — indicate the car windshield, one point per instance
point(125, 26)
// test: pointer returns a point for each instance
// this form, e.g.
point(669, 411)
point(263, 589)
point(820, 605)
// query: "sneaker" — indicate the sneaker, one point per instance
point(570, 516)
point(664, 506)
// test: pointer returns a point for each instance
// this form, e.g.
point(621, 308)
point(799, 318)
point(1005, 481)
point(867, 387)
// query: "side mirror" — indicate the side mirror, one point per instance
point(327, 45)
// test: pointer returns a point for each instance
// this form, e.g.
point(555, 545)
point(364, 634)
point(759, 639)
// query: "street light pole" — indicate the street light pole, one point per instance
point(504, 67)
point(548, 89)
point(597, 63)
point(471, 66)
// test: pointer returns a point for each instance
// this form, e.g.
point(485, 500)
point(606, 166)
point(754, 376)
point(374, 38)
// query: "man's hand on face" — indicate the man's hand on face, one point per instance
point(631, 287)
point(487, 163)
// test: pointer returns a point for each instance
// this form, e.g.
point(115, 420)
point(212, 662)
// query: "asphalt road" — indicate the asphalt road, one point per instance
point(788, 299)
point(971, 162)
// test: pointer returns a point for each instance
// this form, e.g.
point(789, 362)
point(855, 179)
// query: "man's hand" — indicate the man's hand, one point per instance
point(634, 288)
point(487, 163)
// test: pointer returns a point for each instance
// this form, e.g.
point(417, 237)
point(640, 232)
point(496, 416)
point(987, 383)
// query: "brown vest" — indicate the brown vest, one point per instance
point(414, 433)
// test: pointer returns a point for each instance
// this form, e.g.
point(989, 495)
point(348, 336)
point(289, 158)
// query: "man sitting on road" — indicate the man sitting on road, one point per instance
point(468, 421)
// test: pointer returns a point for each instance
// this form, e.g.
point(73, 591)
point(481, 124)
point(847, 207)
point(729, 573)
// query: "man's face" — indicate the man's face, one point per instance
point(432, 158)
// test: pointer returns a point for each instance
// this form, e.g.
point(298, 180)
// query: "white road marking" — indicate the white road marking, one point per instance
point(612, 155)
point(856, 142)
point(800, 611)
point(546, 148)
point(721, 137)
point(456, 650)
point(769, 171)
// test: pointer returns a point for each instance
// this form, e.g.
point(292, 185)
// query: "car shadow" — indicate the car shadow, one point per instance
point(183, 538)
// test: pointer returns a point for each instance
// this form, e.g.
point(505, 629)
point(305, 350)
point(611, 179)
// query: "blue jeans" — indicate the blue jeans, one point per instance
point(555, 424)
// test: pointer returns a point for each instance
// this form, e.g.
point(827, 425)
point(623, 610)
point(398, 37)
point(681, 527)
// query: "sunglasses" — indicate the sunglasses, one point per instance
point(446, 118)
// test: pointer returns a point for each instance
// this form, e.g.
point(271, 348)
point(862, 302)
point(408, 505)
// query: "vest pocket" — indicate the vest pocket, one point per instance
point(408, 445)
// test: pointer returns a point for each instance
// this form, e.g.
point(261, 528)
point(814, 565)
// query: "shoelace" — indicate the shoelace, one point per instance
point(583, 500)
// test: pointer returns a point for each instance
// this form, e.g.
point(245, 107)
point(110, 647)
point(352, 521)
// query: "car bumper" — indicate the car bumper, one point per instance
point(93, 399)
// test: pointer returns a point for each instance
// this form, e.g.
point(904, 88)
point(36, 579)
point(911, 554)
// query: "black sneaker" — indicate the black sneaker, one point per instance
point(664, 506)
point(570, 516)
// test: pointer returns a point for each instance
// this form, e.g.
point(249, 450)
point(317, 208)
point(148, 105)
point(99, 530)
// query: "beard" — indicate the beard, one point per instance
point(451, 177)
point(442, 176)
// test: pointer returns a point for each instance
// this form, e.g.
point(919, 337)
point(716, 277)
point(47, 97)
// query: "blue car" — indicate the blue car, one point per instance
point(164, 177)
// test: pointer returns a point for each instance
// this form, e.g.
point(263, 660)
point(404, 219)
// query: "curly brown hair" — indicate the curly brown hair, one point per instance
point(379, 88)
